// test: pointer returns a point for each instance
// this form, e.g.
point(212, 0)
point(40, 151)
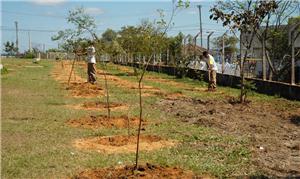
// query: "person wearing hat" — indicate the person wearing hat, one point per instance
point(212, 71)
point(91, 59)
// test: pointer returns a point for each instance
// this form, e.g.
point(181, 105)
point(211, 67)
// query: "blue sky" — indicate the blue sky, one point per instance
point(43, 18)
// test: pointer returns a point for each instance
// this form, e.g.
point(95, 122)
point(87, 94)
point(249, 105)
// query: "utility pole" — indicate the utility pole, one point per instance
point(17, 37)
point(264, 58)
point(293, 58)
point(292, 43)
point(223, 53)
point(199, 7)
point(168, 56)
point(29, 41)
point(44, 48)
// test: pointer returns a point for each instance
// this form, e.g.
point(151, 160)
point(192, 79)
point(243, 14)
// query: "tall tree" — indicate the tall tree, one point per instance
point(175, 47)
point(10, 48)
point(245, 17)
point(109, 35)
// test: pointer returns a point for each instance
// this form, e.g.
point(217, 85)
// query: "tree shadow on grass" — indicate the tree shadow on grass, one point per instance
point(295, 120)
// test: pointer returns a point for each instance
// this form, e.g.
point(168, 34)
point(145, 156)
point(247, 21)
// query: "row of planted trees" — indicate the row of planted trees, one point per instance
point(148, 38)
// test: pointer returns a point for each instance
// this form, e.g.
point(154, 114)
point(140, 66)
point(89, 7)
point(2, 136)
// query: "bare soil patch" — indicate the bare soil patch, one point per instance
point(122, 144)
point(145, 171)
point(98, 105)
point(103, 121)
point(272, 128)
point(85, 90)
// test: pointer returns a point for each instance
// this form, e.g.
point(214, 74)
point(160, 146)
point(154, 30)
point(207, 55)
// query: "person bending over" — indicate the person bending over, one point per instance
point(212, 71)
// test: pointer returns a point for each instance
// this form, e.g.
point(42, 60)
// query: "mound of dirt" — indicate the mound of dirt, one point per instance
point(146, 171)
point(122, 144)
point(85, 90)
point(94, 122)
point(271, 128)
point(99, 104)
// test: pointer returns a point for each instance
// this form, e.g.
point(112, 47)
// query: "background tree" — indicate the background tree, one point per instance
point(275, 37)
point(281, 54)
point(175, 47)
point(230, 43)
point(109, 36)
point(9, 48)
point(245, 17)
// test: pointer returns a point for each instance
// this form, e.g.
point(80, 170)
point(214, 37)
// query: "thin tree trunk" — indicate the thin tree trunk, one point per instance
point(140, 125)
point(141, 111)
point(72, 68)
point(107, 96)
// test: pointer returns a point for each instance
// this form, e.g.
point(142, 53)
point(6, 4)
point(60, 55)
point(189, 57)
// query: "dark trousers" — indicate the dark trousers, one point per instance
point(91, 73)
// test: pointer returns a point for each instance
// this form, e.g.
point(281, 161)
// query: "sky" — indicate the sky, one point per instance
point(42, 19)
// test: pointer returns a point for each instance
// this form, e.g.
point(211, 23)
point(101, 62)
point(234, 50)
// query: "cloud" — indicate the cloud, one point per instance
point(94, 10)
point(48, 2)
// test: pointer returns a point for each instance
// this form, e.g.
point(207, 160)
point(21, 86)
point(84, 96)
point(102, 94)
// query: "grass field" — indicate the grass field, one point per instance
point(37, 142)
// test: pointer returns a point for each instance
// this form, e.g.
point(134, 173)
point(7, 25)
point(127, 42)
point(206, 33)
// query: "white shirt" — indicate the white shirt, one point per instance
point(211, 63)
point(91, 54)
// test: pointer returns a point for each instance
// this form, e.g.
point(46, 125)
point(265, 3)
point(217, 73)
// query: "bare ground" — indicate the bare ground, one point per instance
point(98, 105)
point(94, 122)
point(146, 171)
point(122, 144)
point(273, 129)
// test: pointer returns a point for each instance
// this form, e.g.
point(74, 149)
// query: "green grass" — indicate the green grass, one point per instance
point(36, 143)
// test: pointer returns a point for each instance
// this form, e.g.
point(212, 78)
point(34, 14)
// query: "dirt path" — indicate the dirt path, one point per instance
point(273, 129)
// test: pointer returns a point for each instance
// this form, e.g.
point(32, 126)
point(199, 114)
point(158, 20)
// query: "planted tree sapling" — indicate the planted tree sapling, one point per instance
point(162, 30)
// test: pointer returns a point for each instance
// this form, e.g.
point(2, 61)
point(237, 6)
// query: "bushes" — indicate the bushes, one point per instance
point(30, 55)
point(4, 70)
